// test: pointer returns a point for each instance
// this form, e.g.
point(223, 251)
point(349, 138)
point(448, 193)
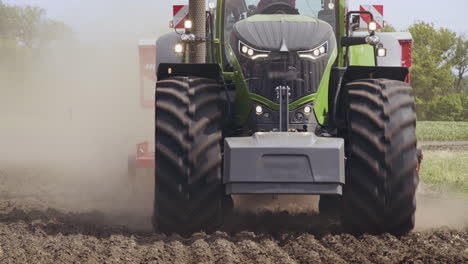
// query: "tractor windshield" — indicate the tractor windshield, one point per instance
point(236, 10)
point(303, 7)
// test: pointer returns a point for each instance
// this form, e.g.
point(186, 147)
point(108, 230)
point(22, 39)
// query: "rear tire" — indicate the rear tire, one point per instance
point(189, 194)
point(381, 178)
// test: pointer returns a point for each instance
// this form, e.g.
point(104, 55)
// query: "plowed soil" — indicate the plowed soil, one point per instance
point(48, 218)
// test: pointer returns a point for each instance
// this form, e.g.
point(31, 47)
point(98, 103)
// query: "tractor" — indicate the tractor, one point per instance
point(282, 97)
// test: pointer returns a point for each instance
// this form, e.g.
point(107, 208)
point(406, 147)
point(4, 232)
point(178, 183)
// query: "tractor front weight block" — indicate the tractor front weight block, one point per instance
point(284, 163)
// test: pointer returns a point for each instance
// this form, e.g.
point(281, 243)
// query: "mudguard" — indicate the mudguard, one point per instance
point(371, 72)
point(352, 73)
point(205, 70)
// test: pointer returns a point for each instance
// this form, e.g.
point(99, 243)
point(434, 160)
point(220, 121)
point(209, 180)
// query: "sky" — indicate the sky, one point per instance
point(149, 18)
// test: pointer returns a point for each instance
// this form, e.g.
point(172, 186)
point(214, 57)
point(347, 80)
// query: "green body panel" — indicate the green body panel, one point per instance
point(321, 104)
point(304, 100)
point(219, 29)
point(341, 24)
point(320, 98)
point(244, 99)
point(243, 102)
point(361, 55)
point(260, 99)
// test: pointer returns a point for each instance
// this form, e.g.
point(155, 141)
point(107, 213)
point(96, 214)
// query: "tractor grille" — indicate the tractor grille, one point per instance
point(283, 69)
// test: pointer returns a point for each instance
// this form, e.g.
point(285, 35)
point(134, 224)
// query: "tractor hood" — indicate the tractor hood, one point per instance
point(283, 52)
point(282, 32)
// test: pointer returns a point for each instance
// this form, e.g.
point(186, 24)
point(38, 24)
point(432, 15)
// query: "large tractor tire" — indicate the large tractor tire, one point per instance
point(189, 194)
point(381, 178)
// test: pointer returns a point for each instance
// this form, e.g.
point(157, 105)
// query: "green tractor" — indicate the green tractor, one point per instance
point(282, 97)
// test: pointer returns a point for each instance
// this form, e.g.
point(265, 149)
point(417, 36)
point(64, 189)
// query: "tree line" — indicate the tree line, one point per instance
point(24, 32)
point(439, 72)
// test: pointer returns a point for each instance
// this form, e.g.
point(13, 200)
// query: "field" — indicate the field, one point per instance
point(445, 148)
point(62, 215)
point(48, 218)
point(446, 170)
point(442, 131)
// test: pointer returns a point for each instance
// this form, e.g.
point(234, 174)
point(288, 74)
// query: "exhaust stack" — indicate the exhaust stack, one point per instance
point(197, 14)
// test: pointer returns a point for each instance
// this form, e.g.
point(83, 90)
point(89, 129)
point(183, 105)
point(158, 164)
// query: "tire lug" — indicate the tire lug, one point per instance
point(192, 109)
point(191, 92)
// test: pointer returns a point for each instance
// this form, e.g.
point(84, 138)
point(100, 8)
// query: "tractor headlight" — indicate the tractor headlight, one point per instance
point(179, 48)
point(381, 51)
point(252, 53)
point(259, 110)
point(262, 114)
point(303, 115)
point(372, 26)
point(188, 24)
point(316, 53)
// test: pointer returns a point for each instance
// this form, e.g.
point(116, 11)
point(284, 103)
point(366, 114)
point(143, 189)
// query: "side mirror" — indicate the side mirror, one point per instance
point(355, 22)
point(356, 19)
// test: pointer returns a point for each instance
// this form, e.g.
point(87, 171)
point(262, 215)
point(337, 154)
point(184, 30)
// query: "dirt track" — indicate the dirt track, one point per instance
point(109, 229)
point(444, 145)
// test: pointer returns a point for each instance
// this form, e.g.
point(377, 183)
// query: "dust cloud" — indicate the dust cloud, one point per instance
point(294, 204)
point(68, 126)
point(70, 120)
point(436, 210)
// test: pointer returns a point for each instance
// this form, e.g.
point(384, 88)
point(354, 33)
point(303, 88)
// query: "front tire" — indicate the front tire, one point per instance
point(189, 194)
point(381, 179)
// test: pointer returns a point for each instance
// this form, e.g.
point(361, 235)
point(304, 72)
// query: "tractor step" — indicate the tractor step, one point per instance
point(284, 163)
